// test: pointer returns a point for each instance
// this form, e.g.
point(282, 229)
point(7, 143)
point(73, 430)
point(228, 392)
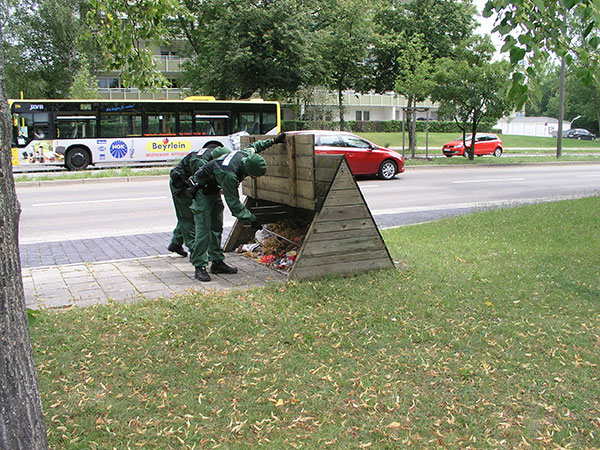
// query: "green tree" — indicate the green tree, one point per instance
point(543, 30)
point(342, 42)
point(442, 27)
point(44, 49)
point(414, 81)
point(443, 24)
point(125, 32)
point(84, 84)
point(472, 88)
point(240, 48)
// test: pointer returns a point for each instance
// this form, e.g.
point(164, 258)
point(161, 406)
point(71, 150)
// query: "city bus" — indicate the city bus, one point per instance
point(80, 133)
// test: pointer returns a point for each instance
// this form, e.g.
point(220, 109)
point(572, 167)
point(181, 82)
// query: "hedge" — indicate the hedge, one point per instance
point(386, 126)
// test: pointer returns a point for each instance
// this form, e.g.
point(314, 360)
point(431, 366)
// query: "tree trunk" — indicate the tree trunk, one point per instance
point(21, 416)
point(473, 136)
point(595, 89)
point(341, 108)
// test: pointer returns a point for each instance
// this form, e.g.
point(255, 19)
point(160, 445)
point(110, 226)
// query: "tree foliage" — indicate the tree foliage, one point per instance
point(472, 88)
point(342, 42)
point(43, 50)
point(542, 30)
point(414, 80)
point(125, 32)
point(247, 47)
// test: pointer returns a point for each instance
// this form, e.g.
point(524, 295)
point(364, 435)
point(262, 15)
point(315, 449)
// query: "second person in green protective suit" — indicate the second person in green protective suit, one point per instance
point(185, 230)
point(224, 173)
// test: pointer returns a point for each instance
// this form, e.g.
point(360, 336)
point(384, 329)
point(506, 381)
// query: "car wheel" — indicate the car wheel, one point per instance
point(497, 152)
point(77, 159)
point(387, 170)
point(448, 156)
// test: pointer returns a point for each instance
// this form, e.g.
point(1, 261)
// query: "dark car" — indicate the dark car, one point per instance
point(364, 157)
point(580, 133)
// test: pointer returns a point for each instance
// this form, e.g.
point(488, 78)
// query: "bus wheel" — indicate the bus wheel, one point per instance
point(77, 159)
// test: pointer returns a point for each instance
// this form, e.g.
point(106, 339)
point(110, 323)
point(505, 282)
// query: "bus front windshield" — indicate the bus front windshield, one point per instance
point(27, 127)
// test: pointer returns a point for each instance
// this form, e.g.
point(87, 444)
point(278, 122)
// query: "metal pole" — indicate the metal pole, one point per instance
point(427, 135)
point(561, 108)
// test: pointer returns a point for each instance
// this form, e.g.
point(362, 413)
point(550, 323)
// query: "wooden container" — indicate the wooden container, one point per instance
point(318, 189)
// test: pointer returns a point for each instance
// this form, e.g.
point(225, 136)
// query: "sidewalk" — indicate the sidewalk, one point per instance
point(132, 279)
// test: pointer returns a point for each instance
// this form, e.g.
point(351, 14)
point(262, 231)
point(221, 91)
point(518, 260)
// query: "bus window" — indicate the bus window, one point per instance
point(211, 125)
point(120, 125)
point(249, 122)
point(186, 124)
point(22, 129)
point(40, 126)
point(161, 124)
point(75, 127)
point(269, 121)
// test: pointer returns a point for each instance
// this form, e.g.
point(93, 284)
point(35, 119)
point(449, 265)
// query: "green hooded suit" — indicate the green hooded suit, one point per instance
point(224, 173)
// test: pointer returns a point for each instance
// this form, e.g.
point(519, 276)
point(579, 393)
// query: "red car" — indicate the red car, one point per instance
point(485, 144)
point(364, 157)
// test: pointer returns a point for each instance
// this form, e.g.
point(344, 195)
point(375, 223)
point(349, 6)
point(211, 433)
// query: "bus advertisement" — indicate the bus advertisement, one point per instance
point(80, 133)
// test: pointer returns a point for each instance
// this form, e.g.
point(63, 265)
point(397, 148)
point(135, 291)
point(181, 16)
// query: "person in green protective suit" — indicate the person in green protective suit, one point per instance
point(225, 173)
point(185, 230)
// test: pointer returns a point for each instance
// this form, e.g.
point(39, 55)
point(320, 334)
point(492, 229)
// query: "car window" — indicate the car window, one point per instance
point(353, 141)
point(329, 140)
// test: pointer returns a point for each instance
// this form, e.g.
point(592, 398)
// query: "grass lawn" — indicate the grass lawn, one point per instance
point(487, 337)
point(522, 143)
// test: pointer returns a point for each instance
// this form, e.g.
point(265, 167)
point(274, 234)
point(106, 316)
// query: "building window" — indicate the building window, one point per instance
point(362, 116)
point(106, 83)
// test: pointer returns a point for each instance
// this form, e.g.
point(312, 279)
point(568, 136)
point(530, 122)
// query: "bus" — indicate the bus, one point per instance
point(80, 133)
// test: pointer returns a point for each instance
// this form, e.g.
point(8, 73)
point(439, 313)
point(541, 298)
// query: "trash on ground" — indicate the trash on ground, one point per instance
point(276, 245)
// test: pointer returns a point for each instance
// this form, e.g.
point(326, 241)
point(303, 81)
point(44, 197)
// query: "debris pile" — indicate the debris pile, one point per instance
point(276, 245)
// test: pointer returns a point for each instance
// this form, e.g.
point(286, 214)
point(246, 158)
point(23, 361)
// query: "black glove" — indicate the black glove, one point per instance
point(280, 139)
point(192, 188)
point(177, 181)
point(256, 225)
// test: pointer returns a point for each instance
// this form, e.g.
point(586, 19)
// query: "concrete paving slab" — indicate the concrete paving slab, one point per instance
point(132, 280)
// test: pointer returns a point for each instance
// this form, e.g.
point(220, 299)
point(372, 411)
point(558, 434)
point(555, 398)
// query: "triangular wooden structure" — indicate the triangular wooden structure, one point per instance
point(342, 237)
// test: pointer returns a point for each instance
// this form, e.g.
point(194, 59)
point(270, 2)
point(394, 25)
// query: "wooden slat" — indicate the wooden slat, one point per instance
point(303, 188)
point(312, 268)
point(239, 234)
point(355, 233)
point(282, 171)
point(325, 175)
point(281, 197)
point(336, 225)
point(342, 213)
point(345, 197)
point(344, 181)
point(346, 247)
point(305, 161)
point(293, 182)
point(327, 161)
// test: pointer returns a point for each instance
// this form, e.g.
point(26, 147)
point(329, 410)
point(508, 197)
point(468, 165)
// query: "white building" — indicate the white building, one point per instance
point(531, 126)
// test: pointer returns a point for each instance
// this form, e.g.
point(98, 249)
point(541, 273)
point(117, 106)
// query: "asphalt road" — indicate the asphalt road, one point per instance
point(67, 211)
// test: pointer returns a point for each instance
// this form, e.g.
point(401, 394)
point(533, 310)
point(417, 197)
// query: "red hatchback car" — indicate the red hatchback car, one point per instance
point(485, 144)
point(364, 157)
